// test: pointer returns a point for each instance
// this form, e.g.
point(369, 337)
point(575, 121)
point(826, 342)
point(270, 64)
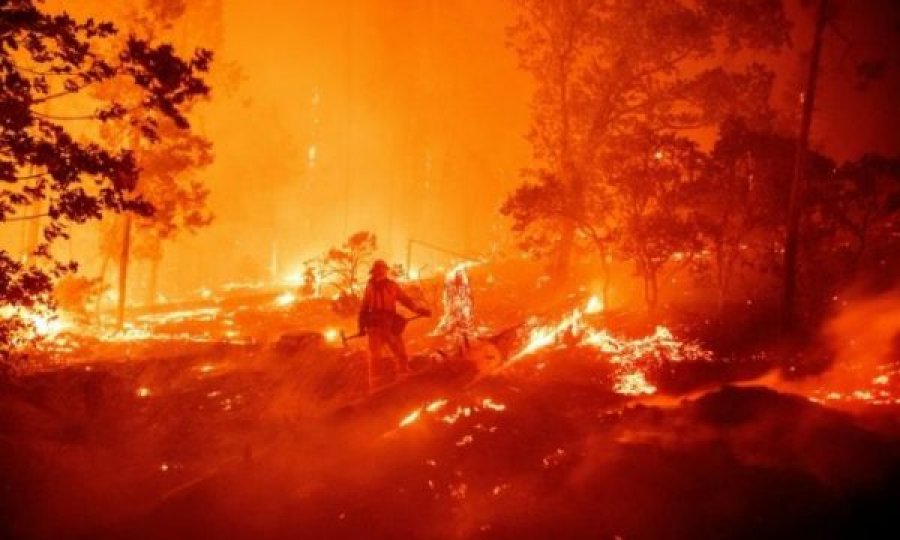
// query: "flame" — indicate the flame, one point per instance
point(411, 417)
point(594, 305)
point(458, 308)
point(142, 392)
point(629, 355)
point(488, 403)
point(286, 299)
point(294, 278)
point(43, 325)
point(437, 405)
point(331, 335)
point(634, 384)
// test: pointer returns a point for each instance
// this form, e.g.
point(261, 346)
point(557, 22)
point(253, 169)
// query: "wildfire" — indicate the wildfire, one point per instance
point(331, 335)
point(433, 407)
point(458, 316)
point(411, 417)
point(43, 321)
point(630, 356)
point(172, 317)
point(594, 305)
point(286, 299)
point(634, 384)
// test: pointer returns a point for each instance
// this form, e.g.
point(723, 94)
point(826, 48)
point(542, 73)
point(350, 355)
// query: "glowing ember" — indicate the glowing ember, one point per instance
point(629, 355)
point(488, 403)
point(331, 335)
point(173, 317)
point(435, 405)
point(465, 440)
point(142, 392)
point(450, 418)
point(634, 384)
point(542, 337)
point(411, 417)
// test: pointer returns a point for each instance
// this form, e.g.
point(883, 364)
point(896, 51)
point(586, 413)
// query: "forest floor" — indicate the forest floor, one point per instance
point(242, 438)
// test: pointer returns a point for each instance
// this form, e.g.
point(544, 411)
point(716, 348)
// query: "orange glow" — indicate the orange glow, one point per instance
point(286, 299)
point(628, 355)
point(332, 335)
point(594, 305)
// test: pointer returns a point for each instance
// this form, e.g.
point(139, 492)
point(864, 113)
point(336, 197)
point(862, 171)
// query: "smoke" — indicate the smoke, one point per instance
point(864, 337)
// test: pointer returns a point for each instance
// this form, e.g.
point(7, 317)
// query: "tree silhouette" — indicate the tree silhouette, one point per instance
point(345, 262)
point(49, 58)
point(607, 69)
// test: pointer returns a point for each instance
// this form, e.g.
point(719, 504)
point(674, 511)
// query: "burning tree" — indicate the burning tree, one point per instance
point(164, 180)
point(49, 59)
point(75, 294)
point(606, 70)
point(344, 262)
point(653, 178)
point(457, 322)
point(554, 41)
point(534, 207)
point(168, 182)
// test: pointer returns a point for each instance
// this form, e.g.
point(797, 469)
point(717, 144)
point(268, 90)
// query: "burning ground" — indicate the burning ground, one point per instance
point(560, 421)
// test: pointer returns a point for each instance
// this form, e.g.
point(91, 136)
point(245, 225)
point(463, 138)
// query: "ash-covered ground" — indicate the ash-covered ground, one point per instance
point(243, 438)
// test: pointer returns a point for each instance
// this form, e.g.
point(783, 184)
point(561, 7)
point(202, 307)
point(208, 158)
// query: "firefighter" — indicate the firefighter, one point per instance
point(378, 317)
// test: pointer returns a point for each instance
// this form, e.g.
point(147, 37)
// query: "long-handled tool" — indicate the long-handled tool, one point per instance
point(402, 322)
point(345, 338)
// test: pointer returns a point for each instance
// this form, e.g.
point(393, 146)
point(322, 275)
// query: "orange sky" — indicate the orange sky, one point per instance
point(406, 118)
point(351, 116)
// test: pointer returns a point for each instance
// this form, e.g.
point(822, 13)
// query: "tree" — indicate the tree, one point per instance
point(607, 69)
point(542, 200)
point(344, 262)
point(164, 179)
point(654, 178)
point(798, 181)
point(740, 203)
point(50, 58)
point(553, 41)
point(73, 294)
point(855, 209)
point(168, 183)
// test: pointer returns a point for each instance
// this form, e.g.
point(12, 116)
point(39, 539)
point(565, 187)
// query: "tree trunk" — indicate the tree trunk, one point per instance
point(564, 251)
point(103, 267)
point(798, 183)
point(123, 272)
point(125, 253)
point(607, 276)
